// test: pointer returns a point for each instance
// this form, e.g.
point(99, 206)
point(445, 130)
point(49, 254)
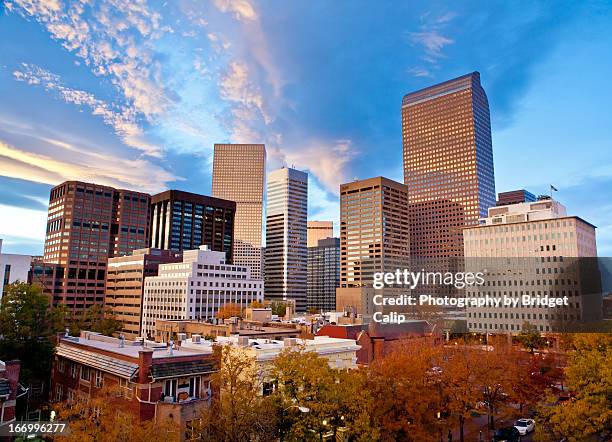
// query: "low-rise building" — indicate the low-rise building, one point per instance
point(166, 329)
point(13, 268)
point(125, 285)
point(10, 390)
point(340, 353)
point(152, 381)
point(196, 288)
point(377, 339)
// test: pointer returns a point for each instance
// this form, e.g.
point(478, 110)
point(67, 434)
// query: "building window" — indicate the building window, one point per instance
point(170, 388)
point(85, 373)
point(194, 387)
point(99, 379)
point(70, 397)
point(61, 365)
point(74, 369)
point(125, 388)
point(58, 392)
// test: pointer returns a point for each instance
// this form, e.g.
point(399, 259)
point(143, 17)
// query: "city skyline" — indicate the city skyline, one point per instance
point(165, 115)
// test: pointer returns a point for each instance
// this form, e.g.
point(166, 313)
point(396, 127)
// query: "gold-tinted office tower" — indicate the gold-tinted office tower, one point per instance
point(318, 230)
point(239, 172)
point(374, 237)
point(448, 164)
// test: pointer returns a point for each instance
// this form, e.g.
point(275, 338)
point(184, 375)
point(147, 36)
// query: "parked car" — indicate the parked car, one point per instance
point(524, 426)
point(507, 434)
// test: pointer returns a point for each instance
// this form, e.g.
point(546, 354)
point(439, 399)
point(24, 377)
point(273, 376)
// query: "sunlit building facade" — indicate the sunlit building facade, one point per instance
point(286, 255)
point(448, 163)
point(239, 173)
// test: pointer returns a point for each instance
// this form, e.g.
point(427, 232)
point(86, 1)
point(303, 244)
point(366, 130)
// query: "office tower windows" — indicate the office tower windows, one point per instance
point(239, 172)
point(286, 255)
point(184, 221)
point(323, 274)
point(319, 230)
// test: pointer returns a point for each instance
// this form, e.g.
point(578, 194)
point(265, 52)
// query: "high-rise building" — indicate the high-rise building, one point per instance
point(185, 221)
point(125, 285)
point(239, 174)
point(515, 197)
point(86, 225)
point(374, 237)
point(13, 268)
point(448, 164)
point(286, 256)
point(323, 274)
point(196, 288)
point(318, 230)
point(532, 249)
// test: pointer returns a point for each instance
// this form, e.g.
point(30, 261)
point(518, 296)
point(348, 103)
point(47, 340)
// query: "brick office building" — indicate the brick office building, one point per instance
point(86, 225)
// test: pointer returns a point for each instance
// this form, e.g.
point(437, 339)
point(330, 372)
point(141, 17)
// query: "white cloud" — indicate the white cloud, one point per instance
point(23, 223)
point(63, 161)
point(123, 122)
point(432, 42)
point(241, 9)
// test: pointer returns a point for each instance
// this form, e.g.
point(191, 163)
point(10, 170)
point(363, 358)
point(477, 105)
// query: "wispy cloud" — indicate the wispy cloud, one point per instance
point(123, 121)
point(115, 39)
point(80, 163)
point(432, 41)
point(241, 9)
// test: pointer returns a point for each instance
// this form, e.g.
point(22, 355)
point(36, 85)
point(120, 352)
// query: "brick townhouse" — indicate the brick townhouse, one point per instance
point(151, 380)
point(10, 390)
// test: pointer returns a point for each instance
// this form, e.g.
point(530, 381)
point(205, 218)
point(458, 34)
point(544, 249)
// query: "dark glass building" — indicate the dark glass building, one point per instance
point(185, 221)
point(323, 274)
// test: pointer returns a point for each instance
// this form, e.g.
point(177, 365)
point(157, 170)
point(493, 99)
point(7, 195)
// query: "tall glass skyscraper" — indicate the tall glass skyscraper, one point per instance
point(239, 173)
point(448, 164)
point(286, 254)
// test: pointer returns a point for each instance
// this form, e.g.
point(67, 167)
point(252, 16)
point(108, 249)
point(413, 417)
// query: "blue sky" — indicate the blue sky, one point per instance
point(135, 94)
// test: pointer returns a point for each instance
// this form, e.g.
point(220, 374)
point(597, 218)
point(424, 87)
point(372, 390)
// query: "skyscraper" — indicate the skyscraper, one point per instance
point(323, 274)
point(86, 225)
point(239, 172)
point(319, 230)
point(448, 164)
point(185, 221)
point(286, 255)
point(374, 237)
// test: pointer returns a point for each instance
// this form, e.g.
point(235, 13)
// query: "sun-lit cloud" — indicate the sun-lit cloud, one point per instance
point(431, 40)
point(79, 163)
point(123, 121)
point(241, 9)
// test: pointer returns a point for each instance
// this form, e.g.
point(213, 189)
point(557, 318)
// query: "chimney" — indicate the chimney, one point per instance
point(145, 360)
point(243, 341)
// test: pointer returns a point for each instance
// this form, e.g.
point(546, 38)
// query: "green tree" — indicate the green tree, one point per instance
point(530, 337)
point(589, 376)
point(25, 327)
point(279, 308)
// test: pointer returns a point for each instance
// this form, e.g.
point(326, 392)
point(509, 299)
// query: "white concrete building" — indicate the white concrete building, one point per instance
point(340, 353)
point(286, 237)
point(196, 288)
point(533, 249)
point(13, 268)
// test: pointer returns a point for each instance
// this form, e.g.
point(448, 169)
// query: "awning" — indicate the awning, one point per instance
point(98, 361)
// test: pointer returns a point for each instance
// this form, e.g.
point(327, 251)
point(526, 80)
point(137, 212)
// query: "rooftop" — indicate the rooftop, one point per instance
point(129, 348)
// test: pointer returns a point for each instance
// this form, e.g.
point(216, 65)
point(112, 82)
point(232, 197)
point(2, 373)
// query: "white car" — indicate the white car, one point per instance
point(524, 426)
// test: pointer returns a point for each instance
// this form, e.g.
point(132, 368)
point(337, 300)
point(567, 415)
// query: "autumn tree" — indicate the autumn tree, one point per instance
point(589, 376)
point(239, 412)
point(229, 310)
point(279, 308)
point(460, 383)
point(101, 419)
point(313, 400)
point(408, 403)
